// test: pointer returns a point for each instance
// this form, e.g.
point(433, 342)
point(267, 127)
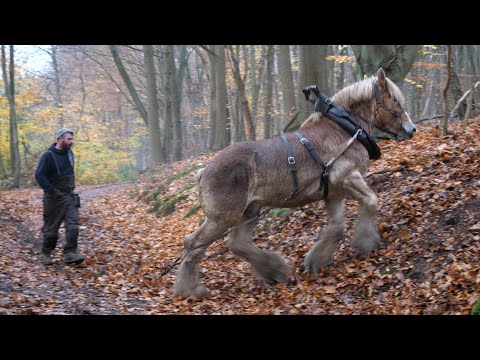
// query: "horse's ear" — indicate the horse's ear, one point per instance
point(381, 78)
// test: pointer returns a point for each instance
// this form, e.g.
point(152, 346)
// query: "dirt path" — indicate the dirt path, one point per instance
point(26, 286)
point(88, 192)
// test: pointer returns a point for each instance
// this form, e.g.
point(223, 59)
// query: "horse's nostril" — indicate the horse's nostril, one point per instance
point(414, 130)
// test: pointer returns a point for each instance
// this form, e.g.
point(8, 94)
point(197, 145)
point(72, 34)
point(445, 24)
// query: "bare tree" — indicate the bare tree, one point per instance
point(240, 82)
point(445, 90)
point(153, 121)
point(312, 71)
point(9, 82)
point(129, 84)
point(222, 124)
point(267, 106)
point(286, 80)
point(179, 74)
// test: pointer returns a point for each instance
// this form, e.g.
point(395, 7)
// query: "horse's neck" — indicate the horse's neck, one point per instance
point(363, 115)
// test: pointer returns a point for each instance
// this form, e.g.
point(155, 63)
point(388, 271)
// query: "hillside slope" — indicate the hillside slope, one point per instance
point(429, 196)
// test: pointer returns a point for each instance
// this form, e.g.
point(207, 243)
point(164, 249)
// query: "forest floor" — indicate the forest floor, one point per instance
point(429, 220)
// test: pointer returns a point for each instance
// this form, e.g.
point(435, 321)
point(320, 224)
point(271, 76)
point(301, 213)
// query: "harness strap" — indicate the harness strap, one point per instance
point(314, 155)
point(56, 163)
point(291, 164)
point(325, 105)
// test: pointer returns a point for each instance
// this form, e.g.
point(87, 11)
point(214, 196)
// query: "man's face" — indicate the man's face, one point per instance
point(66, 141)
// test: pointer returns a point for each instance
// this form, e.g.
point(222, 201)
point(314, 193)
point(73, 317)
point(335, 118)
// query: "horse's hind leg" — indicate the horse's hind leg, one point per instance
point(321, 253)
point(266, 265)
point(187, 281)
point(366, 237)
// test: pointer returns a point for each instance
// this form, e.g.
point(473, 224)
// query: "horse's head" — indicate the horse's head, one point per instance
point(390, 115)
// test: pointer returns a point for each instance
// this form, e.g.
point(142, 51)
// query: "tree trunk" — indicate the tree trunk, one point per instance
point(169, 95)
point(286, 79)
point(256, 70)
point(9, 82)
point(319, 69)
point(473, 70)
point(58, 92)
point(177, 100)
point(469, 108)
point(267, 107)
point(222, 123)
point(312, 71)
point(303, 82)
point(396, 60)
point(445, 90)
point(153, 121)
point(341, 71)
point(213, 100)
point(457, 92)
point(3, 172)
point(241, 92)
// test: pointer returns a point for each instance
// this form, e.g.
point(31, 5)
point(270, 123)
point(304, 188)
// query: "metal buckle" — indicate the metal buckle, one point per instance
point(291, 160)
point(328, 101)
point(303, 141)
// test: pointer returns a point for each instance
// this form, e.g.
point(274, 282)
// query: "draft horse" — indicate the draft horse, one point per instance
point(249, 175)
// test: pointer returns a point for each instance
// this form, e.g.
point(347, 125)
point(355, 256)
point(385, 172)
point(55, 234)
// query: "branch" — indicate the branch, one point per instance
point(295, 116)
point(128, 82)
point(108, 74)
point(430, 118)
point(463, 98)
point(207, 50)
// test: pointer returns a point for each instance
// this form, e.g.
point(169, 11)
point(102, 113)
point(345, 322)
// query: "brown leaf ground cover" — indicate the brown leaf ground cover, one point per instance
point(429, 219)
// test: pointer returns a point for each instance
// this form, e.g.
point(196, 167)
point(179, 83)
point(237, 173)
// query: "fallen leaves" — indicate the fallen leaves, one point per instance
point(428, 190)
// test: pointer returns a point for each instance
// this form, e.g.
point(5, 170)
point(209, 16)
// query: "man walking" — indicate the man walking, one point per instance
point(55, 174)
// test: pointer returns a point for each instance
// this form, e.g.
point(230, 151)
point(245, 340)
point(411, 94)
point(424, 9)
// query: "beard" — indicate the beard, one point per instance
point(66, 147)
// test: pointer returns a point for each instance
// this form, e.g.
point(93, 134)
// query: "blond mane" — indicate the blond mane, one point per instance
point(358, 92)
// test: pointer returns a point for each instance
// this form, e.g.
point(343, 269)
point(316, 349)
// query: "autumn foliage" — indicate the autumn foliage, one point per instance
point(428, 190)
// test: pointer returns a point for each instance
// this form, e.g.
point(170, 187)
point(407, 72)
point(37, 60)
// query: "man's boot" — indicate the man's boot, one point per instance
point(47, 259)
point(70, 255)
point(49, 243)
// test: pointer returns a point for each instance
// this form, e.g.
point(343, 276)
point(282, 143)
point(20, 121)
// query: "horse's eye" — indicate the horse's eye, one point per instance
point(395, 100)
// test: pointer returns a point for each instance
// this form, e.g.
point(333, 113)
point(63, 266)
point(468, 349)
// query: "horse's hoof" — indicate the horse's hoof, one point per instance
point(364, 248)
point(201, 292)
point(198, 291)
point(313, 266)
point(292, 280)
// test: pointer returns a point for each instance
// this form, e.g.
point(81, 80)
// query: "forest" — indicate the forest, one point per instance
point(147, 117)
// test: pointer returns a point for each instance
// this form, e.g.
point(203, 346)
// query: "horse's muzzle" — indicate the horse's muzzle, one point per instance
point(410, 133)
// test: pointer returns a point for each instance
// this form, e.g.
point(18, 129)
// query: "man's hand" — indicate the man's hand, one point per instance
point(58, 193)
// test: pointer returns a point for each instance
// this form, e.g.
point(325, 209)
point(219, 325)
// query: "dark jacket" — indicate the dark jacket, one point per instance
point(46, 175)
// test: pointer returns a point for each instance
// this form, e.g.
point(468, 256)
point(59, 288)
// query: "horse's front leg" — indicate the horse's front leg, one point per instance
point(321, 253)
point(266, 265)
point(366, 237)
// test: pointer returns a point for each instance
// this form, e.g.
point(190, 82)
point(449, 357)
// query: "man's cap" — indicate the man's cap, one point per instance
point(63, 131)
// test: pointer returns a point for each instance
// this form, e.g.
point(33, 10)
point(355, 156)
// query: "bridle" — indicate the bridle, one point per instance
point(395, 114)
point(379, 105)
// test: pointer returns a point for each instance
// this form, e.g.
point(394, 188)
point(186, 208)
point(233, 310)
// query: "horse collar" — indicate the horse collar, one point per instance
point(325, 105)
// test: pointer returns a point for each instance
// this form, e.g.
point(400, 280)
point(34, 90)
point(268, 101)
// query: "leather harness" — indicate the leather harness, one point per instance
point(344, 119)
